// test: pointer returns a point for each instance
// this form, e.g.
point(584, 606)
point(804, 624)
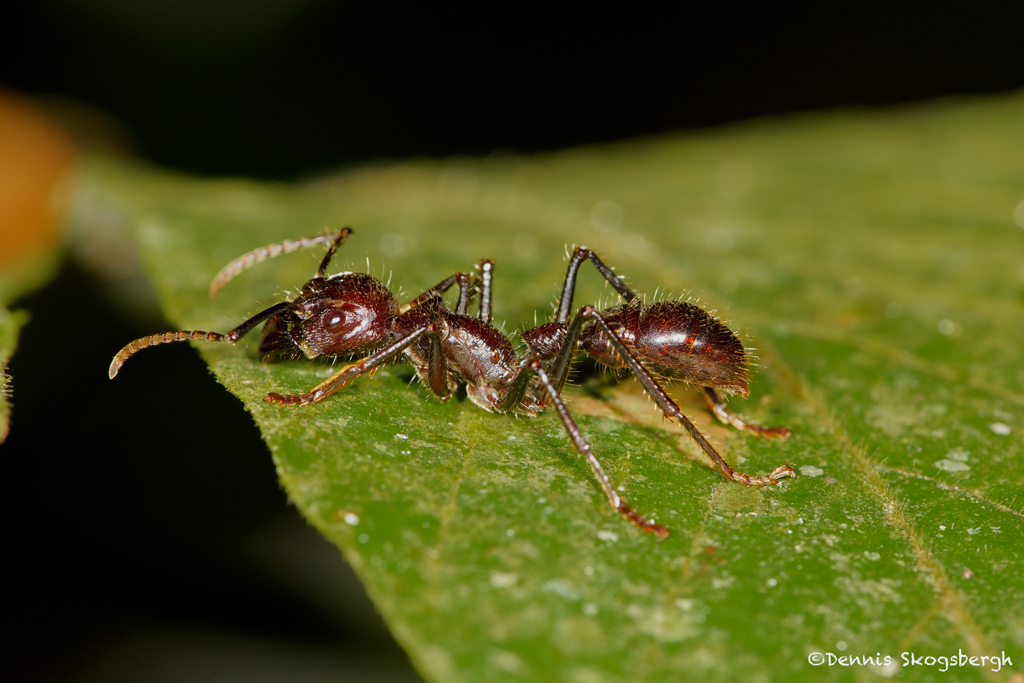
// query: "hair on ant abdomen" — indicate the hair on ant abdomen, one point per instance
point(355, 315)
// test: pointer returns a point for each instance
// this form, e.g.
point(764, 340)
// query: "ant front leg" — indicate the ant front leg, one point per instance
point(737, 421)
point(337, 381)
point(614, 499)
point(484, 274)
point(440, 289)
point(668, 407)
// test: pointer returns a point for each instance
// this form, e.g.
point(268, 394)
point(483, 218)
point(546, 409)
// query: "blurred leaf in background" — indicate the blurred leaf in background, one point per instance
point(34, 157)
point(873, 259)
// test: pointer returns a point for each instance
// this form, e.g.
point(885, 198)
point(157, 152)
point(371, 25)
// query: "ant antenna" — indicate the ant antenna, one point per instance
point(195, 335)
point(246, 261)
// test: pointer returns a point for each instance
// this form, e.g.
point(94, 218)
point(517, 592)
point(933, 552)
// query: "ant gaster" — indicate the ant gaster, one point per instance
point(354, 314)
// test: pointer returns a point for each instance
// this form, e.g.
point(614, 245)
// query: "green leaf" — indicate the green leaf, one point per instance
point(10, 323)
point(874, 259)
point(24, 274)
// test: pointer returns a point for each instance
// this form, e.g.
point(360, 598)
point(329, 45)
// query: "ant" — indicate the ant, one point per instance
point(354, 314)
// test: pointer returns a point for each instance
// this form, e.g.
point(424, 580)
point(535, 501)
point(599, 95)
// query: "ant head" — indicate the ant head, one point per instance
point(345, 314)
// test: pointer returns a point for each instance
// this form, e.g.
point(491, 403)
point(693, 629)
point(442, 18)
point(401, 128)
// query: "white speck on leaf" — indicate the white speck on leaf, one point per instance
point(503, 580)
point(811, 471)
point(1000, 428)
point(952, 465)
point(959, 453)
point(562, 588)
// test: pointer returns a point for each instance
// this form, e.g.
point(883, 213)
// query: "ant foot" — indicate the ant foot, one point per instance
point(772, 479)
point(289, 400)
point(773, 432)
point(650, 527)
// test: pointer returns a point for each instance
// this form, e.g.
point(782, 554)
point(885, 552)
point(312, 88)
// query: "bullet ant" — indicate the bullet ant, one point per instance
point(354, 314)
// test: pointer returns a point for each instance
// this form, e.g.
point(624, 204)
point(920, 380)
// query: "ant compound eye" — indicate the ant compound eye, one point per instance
point(344, 327)
point(334, 320)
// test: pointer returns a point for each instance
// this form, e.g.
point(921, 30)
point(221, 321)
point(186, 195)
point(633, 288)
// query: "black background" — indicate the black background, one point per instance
point(284, 87)
point(144, 522)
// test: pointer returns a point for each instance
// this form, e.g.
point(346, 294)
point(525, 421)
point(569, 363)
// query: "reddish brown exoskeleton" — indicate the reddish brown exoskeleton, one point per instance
point(354, 314)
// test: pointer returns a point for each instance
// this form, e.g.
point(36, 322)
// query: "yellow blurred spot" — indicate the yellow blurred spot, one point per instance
point(34, 153)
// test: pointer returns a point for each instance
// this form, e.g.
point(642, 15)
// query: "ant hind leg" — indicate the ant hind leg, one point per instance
point(728, 417)
point(668, 407)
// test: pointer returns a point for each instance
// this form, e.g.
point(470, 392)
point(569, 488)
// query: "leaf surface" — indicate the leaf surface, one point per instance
point(873, 259)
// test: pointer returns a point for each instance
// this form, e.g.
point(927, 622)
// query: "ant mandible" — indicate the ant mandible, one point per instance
point(354, 314)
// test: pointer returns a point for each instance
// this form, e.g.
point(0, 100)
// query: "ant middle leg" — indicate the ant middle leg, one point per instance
point(569, 287)
point(536, 367)
point(668, 407)
point(725, 415)
point(548, 342)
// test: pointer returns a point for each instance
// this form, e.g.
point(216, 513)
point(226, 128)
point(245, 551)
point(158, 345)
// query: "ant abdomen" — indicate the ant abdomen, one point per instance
point(674, 340)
